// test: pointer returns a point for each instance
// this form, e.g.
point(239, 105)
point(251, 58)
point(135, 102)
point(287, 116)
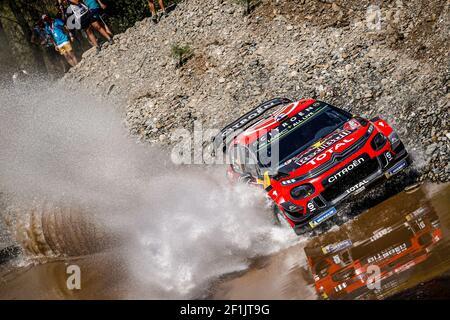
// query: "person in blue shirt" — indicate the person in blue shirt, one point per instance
point(39, 36)
point(56, 30)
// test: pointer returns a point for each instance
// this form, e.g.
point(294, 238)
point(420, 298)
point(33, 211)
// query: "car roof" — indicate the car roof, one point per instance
point(272, 121)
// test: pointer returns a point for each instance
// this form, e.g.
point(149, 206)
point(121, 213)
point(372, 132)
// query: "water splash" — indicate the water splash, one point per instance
point(67, 160)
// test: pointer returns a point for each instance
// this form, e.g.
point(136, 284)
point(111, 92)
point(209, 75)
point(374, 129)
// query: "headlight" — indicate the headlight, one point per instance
point(394, 139)
point(378, 141)
point(302, 191)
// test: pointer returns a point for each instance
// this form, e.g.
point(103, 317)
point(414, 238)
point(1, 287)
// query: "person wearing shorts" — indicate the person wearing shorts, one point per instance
point(96, 7)
point(91, 21)
point(55, 28)
point(65, 48)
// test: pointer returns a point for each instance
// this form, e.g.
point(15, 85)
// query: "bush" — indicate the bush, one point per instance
point(181, 53)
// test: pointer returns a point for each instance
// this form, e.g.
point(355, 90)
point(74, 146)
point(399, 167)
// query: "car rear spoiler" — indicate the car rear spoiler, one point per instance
point(234, 128)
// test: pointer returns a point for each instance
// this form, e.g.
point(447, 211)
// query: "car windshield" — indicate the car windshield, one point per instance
point(297, 133)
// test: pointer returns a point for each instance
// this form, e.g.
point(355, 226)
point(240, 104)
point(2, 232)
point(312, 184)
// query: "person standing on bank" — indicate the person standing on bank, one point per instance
point(55, 28)
point(96, 7)
point(151, 4)
point(89, 21)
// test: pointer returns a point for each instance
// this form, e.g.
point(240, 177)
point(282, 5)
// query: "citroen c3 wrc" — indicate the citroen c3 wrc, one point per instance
point(309, 156)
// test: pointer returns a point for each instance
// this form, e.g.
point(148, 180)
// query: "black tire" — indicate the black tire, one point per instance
point(303, 231)
point(280, 219)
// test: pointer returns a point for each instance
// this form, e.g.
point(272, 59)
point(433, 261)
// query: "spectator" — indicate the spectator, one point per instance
point(40, 36)
point(151, 4)
point(61, 9)
point(55, 28)
point(96, 7)
point(90, 22)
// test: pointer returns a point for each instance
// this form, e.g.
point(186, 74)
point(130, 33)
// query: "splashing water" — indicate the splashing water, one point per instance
point(179, 227)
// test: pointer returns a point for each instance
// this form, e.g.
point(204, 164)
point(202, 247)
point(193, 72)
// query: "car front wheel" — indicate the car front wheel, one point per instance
point(280, 219)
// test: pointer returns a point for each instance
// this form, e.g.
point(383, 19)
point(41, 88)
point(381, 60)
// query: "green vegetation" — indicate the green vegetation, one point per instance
point(181, 53)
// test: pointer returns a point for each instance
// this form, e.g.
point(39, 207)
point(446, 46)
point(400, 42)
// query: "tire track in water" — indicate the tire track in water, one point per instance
point(49, 231)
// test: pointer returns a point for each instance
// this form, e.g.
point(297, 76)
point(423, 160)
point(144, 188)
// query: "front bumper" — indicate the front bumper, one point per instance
point(386, 166)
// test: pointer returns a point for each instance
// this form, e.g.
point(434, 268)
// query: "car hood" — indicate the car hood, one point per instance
point(327, 149)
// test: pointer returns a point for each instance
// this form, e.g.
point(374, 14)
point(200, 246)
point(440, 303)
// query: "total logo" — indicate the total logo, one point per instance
point(327, 154)
point(358, 187)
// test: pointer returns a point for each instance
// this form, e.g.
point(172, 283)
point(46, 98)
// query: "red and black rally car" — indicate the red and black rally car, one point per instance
point(309, 156)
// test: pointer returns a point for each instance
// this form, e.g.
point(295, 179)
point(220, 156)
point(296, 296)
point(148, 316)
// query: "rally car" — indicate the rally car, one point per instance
point(309, 156)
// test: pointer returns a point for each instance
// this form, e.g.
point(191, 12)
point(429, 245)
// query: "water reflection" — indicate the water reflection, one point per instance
point(406, 237)
point(401, 242)
point(380, 250)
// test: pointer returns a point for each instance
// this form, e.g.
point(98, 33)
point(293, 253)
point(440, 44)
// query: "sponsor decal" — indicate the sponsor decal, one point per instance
point(331, 248)
point(311, 206)
point(354, 164)
point(322, 217)
point(317, 145)
point(337, 259)
point(318, 152)
point(381, 233)
point(353, 124)
point(289, 182)
point(415, 214)
point(358, 187)
point(388, 156)
point(387, 253)
point(249, 117)
point(288, 125)
point(397, 168)
point(340, 287)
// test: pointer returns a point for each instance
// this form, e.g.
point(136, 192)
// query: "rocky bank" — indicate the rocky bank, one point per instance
point(389, 59)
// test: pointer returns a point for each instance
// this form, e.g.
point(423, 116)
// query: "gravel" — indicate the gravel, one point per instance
point(391, 63)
